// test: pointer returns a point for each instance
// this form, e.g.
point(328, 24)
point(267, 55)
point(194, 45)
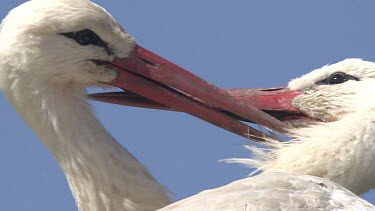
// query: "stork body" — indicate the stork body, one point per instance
point(274, 191)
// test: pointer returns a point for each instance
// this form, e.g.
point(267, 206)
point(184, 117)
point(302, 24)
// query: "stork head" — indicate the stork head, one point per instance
point(54, 44)
point(327, 94)
point(335, 91)
point(61, 42)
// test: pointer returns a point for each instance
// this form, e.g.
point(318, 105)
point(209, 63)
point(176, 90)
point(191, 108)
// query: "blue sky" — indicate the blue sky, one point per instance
point(232, 44)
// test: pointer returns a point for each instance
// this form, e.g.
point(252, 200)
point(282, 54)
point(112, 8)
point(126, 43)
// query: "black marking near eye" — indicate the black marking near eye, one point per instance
point(337, 78)
point(87, 37)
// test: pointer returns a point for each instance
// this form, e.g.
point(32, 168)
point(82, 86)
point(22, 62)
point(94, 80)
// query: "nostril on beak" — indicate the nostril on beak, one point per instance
point(148, 62)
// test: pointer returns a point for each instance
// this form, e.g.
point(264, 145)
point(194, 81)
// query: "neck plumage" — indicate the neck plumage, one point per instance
point(341, 151)
point(101, 173)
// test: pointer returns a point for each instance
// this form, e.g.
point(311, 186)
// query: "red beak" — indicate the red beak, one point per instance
point(154, 82)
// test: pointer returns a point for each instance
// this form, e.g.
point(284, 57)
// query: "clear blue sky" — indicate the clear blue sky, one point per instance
point(229, 43)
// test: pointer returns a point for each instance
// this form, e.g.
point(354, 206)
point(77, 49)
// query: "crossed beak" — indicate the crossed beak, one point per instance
point(150, 81)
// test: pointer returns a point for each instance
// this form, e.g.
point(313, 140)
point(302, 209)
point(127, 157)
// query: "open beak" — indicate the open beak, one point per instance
point(150, 81)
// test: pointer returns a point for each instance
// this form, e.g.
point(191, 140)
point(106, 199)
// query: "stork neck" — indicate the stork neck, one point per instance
point(341, 151)
point(101, 173)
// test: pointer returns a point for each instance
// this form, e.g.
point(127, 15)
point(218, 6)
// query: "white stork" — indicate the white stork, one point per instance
point(50, 51)
point(44, 70)
point(333, 139)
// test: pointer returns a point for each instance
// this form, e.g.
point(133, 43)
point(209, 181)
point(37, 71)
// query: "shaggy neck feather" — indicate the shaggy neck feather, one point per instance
point(341, 151)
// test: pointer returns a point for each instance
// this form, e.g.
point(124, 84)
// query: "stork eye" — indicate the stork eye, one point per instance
point(86, 37)
point(338, 78)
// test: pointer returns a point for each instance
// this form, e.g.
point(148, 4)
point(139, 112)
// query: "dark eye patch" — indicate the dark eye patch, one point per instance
point(88, 37)
point(337, 78)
